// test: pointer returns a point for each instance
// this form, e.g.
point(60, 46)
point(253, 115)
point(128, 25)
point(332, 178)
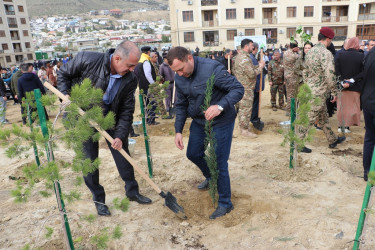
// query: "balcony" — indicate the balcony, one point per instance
point(269, 1)
point(15, 38)
point(9, 12)
point(369, 16)
point(269, 21)
point(13, 25)
point(211, 23)
point(208, 2)
point(17, 50)
point(210, 44)
point(334, 19)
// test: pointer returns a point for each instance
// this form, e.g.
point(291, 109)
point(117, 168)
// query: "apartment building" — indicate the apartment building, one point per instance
point(15, 36)
point(213, 24)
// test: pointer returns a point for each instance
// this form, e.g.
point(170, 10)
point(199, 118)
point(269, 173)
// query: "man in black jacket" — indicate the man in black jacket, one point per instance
point(111, 72)
point(3, 101)
point(368, 105)
point(191, 78)
point(228, 55)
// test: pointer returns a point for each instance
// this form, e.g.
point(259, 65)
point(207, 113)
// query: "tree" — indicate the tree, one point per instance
point(167, 27)
point(68, 30)
point(149, 30)
point(165, 39)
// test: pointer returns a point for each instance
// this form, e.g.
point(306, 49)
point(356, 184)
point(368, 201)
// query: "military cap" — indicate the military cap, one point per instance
point(146, 48)
point(328, 32)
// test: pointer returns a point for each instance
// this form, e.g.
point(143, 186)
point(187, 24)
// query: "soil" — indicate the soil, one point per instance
point(314, 206)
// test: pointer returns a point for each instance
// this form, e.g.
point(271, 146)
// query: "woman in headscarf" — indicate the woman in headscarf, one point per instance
point(349, 66)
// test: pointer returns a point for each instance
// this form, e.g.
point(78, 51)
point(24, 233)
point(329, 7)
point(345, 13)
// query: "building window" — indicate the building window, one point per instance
point(309, 11)
point(290, 32)
point(12, 22)
point(231, 14)
point(5, 46)
point(8, 59)
point(249, 32)
point(291, 11)
point(1, 20)
point(27, 45)
point(187, 16)
point(368, 31)
point(2, 33)
point(308, 30)
point(249, 13)
point(25, 33)
point(29, 56)
point(231, 34)
point(9, 9)
point(188, 37)
point(23, 20)
point(20, 8)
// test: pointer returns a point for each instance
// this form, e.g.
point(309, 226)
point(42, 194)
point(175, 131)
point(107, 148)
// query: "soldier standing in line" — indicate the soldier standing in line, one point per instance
point(246, 73)
point(292, 72)
point(276, 80)
point(321, 78)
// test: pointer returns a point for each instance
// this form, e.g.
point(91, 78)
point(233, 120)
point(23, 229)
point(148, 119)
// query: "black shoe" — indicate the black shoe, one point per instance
point(318, 128)
point(154, 123)
point(204, 185)
point(259, 125)
point(220, 211)
point(140, 199)
point(133, 134)
point(102, 209)
point(365, 175)
point(306, 150)
point(338, 141)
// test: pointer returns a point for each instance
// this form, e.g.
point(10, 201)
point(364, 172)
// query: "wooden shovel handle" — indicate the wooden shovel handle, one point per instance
point(109, 138)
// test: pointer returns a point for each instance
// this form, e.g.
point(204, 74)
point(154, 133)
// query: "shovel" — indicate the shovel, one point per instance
point(170, 200)
point(172, 109)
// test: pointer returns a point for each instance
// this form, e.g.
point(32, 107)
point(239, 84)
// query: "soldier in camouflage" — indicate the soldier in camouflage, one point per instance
point(246, 73)
point(321, 78)
point(292, 72)
point(276, 79)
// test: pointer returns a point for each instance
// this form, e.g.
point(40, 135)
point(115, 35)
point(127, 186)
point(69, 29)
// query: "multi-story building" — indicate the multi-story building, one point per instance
point(213, 24)
point(15, 36)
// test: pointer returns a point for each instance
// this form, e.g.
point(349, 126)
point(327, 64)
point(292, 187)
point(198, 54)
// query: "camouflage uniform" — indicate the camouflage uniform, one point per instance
point(246, 73)
point(321, 78)
point(276, 76)
point(292, 74)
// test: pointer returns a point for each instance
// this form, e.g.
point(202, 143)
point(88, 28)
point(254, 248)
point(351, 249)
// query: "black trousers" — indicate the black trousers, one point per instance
point(369, 140)
point(126, 171)
point(254, 112)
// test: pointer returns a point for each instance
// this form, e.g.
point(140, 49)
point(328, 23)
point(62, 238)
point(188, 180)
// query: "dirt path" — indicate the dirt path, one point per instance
point(315, 206)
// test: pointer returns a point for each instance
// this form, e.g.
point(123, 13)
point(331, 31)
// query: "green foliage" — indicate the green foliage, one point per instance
point(89, 218)
point(122, 205)
point(303, 36)
point(73, 195)
point(117, 233)
point(157, 91)
point(26, 247)
point(302, 122)
point(371, 177)
point(78, 239)
point(45, 194)
point(20, 193)
point(101, 240)
point(79, 181)
point(49, 232)
point(210, 141)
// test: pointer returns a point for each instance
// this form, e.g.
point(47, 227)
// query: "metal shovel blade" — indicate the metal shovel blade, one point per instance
point(171, 203)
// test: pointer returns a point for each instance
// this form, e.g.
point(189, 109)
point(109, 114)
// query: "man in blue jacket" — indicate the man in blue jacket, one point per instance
point(190, 80)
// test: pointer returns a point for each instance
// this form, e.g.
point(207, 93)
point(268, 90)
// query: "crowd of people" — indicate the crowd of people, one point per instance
point(344, 76)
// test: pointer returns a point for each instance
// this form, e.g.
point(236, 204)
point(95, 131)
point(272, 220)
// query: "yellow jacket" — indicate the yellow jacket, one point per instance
point(144, 57)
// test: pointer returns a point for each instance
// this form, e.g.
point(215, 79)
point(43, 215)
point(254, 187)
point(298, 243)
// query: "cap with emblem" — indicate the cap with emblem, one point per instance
point(327, 32)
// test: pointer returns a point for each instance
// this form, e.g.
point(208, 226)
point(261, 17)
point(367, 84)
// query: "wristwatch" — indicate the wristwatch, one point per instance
point(220, 108)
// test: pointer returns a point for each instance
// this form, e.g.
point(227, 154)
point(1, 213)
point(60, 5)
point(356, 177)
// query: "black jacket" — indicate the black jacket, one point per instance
point(96, 67)
point(2, 88)
point(349, 64)
point(28, 82)
point(368, 83)
point(227, 91)
point(223, 61)
point(140, 73)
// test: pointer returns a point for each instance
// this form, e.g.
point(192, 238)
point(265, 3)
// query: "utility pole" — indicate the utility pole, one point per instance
point(363, 23)
point(178, 32)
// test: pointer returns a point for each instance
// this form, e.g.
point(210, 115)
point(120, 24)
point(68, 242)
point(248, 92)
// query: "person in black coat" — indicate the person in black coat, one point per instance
point(368, 106)
point(3, 101)
point(113, 73)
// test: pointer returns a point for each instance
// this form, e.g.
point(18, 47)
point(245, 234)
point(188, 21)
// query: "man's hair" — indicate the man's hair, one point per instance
point(371, 40)
point(24, 67)
point(256, 45)
point(245, 42)
point(321, 37)
point(227, 51)
point(179, 53)
point(125, 48)
point(152, 54)
point(276, 51)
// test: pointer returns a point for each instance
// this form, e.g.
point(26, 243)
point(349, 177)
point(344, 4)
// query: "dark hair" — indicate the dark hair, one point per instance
point(220, 53)
point(321, 37)
point(276, 51)
point(227, 51)
point(24, 67)
point(179, 53)
point(245, 42)
point(303, 50)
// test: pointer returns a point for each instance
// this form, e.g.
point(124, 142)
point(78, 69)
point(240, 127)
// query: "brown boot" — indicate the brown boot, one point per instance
point(247, 133)
point(274, 108)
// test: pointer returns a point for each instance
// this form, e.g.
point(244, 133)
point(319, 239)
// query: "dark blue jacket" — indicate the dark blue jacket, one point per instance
point(255, 62)
point(28, 82)
point(227, 91)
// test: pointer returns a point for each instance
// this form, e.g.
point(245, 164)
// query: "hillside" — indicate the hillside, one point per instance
point(53, 7)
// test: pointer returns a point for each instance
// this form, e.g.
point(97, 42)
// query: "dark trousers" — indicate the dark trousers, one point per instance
point(126, 171)
point(195, 153)
point(168, 100)
point(369, 142)
point(254, 112)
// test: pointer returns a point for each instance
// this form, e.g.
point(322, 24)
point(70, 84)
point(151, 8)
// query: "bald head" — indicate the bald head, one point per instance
point(125, 48)
point(125, 58)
